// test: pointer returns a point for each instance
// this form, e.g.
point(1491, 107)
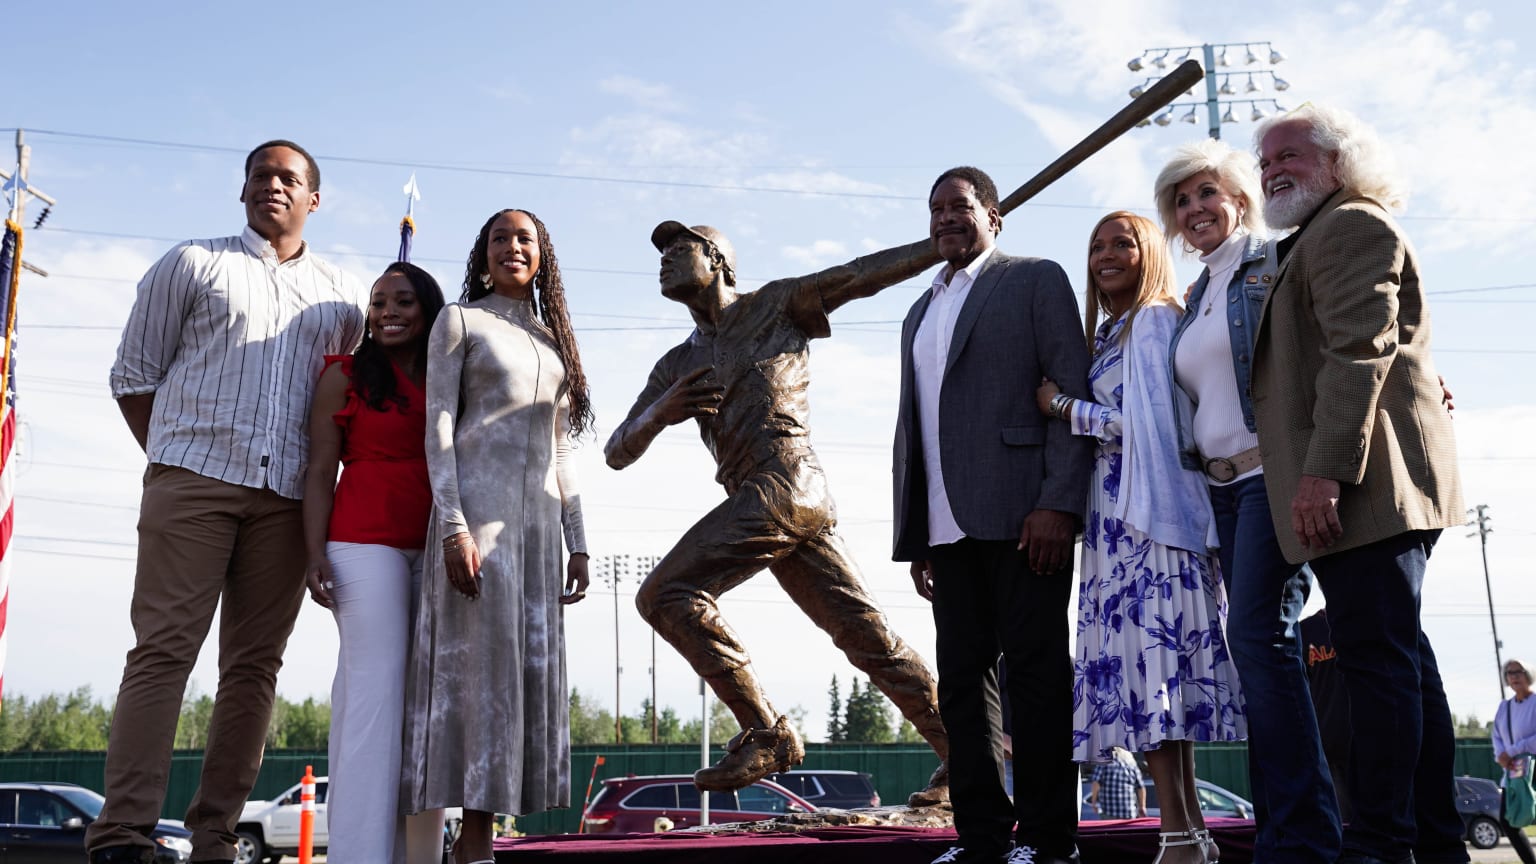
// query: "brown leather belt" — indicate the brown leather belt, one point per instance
point(1224, 469)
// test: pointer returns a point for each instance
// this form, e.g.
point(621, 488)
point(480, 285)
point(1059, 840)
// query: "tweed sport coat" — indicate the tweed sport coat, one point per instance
point(1344, 386)
point(1002, 458)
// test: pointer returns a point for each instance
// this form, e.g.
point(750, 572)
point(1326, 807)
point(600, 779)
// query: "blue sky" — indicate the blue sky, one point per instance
point(606, 118)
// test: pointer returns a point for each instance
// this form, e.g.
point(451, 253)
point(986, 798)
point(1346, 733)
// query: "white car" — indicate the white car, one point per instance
point(270, 829)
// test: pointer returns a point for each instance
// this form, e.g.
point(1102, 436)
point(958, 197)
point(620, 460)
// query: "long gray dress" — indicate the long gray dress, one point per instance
point(487, 723)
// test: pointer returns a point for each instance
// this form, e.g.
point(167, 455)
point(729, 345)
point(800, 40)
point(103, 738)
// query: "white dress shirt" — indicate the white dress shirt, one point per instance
point(230, 341)
point(930, 355)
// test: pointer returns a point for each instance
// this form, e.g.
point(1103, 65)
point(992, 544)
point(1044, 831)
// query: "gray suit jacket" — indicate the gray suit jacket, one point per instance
point(1002, 458)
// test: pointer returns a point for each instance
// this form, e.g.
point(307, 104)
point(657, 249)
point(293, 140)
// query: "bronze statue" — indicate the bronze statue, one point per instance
point(742, 374)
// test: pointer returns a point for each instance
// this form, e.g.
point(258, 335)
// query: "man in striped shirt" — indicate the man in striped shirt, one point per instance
point(214, 377)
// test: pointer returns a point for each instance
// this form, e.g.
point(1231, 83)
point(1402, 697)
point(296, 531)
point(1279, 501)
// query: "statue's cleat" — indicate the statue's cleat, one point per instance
point(752, 755)
point(937, 790)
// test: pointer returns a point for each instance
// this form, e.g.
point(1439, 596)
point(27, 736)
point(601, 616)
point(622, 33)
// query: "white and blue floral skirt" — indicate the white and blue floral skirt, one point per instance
point(1152, 662)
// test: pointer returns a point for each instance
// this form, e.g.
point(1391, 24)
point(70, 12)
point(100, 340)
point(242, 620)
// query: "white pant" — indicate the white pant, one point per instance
point(374, 588)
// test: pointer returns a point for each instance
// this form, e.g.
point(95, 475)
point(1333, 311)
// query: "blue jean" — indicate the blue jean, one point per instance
point(1397, 703)
point(1295, 811)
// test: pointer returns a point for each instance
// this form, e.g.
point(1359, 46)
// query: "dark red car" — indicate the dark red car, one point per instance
point(631, 805)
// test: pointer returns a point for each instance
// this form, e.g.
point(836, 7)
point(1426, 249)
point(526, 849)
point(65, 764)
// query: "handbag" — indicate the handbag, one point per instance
point(1519, 799)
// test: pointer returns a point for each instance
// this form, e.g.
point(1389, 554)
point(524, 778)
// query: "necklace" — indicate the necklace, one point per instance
point(1209, 303)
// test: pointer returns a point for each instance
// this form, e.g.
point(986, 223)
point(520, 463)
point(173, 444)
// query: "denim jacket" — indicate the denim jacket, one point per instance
point(1252, 280)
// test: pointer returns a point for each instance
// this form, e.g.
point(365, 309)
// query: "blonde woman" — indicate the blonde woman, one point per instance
point(1152, 673)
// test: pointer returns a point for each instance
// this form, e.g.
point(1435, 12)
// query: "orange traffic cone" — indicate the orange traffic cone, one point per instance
point(307, 817)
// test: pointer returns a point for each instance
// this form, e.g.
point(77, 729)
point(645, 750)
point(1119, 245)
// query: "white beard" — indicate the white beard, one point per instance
point(1304, 197)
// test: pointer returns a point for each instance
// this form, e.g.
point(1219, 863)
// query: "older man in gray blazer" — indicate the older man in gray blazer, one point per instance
point(1360, 463)
point(989, 495)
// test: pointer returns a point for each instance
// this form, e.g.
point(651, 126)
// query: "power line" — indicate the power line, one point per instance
point(507, 172)
point(649, 274)
point(628, 181)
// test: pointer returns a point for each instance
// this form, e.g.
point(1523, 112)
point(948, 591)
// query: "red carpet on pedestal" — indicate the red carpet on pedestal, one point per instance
point(1131, 841)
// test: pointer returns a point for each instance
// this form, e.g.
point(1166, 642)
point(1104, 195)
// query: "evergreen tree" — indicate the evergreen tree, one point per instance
point(836, 730)
point(868, 716)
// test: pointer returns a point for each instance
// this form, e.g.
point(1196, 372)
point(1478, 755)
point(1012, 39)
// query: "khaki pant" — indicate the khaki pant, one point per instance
point(200, 541)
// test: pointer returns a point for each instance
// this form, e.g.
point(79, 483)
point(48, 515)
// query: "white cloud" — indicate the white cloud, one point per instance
point(645, 94)
point(1440, 94)
point(819, 254)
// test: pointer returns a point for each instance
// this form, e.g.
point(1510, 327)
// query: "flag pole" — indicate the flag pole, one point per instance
point(408, 224)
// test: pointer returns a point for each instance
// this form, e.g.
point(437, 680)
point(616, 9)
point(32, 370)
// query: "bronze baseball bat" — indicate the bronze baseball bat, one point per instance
point(1187, 75)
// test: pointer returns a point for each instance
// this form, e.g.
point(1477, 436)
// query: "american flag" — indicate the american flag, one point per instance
point(10, 272)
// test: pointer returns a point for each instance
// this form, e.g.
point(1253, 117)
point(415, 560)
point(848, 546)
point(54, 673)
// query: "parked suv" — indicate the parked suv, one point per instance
point(270, 829)
point(1480, 804)
point(841, 789)
point(45, 822)
point(631, 805)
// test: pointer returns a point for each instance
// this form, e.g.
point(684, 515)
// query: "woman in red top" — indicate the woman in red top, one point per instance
point(365, 537)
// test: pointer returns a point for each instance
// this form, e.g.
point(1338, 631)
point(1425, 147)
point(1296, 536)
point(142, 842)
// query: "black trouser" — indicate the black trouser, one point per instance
point(1516, 836)
point(986, 602)
point(1397, 704)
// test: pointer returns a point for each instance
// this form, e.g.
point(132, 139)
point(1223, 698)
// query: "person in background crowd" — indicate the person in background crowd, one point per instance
point(365, 536)
point(1514, 735)
point(1330, 701)
point(214, 377)
point(1115, 789)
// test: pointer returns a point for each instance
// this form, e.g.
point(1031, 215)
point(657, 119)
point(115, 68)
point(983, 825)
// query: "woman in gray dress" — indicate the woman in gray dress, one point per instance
point(487, 727)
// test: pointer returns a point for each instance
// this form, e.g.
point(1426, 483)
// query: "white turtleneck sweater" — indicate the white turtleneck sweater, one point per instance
point(1203, 363)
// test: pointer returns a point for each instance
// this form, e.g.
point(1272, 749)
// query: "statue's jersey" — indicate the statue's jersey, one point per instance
point(760, 353)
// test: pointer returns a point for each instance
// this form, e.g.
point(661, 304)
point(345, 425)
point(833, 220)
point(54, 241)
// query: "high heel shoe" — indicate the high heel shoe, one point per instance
point(1208, 845)
point(1173, 839)
point(454, 855)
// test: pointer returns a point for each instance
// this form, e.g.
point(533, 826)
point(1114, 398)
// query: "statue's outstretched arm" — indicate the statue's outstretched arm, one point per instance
point(870, 274)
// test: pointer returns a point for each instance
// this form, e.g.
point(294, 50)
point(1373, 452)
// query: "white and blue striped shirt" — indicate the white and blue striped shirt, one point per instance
point(230, 340)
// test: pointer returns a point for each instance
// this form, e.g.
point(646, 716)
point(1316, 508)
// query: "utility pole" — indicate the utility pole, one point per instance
point(703, 747)
point(618, 668)
point(1479, 518)
point(648, 563)
point(17, 188)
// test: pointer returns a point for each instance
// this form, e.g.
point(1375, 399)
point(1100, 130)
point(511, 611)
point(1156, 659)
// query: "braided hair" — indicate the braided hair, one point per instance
point(551, 305)
point(373, 376)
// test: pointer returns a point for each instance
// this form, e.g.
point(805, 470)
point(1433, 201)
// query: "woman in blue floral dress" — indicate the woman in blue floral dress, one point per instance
point(1152, 670)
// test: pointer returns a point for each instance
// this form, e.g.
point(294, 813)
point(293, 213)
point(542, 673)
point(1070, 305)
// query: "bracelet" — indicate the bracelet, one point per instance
point(1061, 403)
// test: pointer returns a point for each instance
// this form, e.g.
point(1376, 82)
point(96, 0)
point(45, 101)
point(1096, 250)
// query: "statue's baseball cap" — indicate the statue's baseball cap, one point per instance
point(667, 231)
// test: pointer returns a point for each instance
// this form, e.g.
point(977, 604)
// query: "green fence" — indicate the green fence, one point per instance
point(898, 769)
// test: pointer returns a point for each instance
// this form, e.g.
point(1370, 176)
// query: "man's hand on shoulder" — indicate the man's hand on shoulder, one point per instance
point(1047, 539)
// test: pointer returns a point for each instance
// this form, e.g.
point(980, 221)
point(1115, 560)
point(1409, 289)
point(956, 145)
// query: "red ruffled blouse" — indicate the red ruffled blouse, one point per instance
point(384, 496)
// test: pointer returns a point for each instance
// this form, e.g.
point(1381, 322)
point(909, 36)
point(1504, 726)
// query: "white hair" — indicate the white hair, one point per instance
point(1363, 164)
point(1235, 173)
